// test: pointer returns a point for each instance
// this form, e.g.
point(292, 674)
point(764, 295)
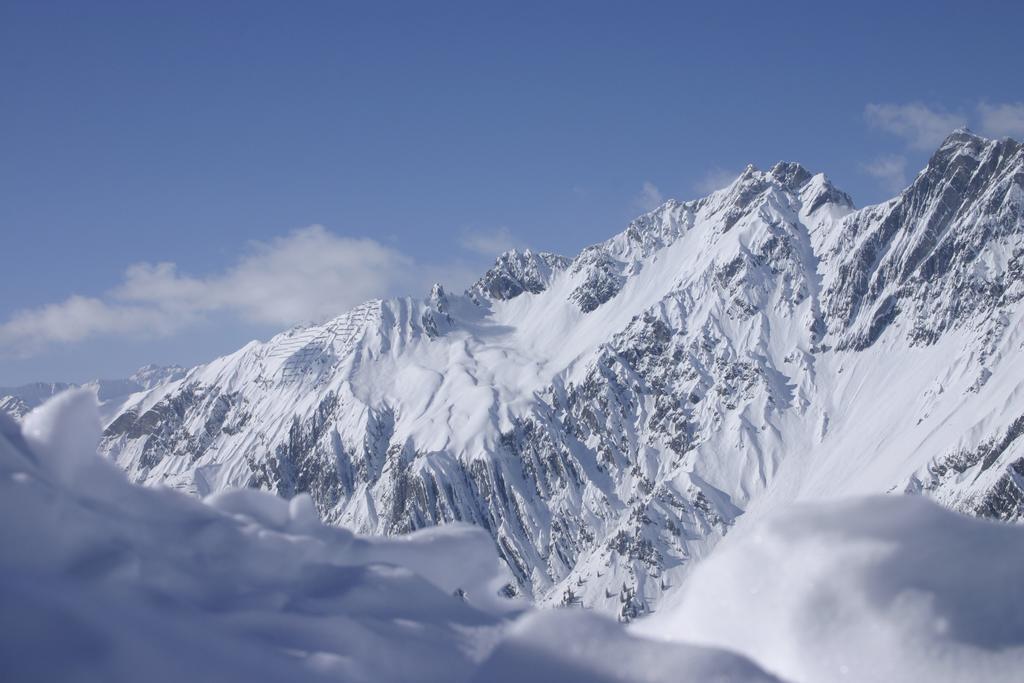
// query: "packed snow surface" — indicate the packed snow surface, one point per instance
point(102, 580)
point(875, 589)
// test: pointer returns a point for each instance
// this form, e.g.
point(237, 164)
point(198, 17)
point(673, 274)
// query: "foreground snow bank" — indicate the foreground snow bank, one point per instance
point(879, 589)
point(104, 581)
point(574, 645)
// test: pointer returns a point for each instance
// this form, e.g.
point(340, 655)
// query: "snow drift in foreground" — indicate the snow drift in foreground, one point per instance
point(101, 580)
point(877, 589)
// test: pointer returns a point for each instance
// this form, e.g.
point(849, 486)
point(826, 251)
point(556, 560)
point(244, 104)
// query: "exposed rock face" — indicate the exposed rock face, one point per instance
point(944, 252)
point(987, 481)
point(515, 273)
point(602, 279)
point(607, 419)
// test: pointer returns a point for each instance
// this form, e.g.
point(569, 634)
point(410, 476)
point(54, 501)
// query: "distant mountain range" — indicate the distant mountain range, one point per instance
point(17, 401)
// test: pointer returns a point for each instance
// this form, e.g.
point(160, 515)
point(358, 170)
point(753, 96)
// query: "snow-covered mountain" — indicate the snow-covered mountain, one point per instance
point(608, 418)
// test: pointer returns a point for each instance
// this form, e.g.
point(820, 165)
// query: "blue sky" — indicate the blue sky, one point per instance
point(162, 163)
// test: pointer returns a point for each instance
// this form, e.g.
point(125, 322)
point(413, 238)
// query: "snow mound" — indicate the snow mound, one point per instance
point(101, 580)
point(874, 589)
point(567, 645)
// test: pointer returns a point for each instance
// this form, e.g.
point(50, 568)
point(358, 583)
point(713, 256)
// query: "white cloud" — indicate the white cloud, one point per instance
point(715, 179)
point(650, 197)
point(891, 172)
point(921, 126)
point(1001, 120)
point(490, 243)
point(77, 318)
point(308, 275)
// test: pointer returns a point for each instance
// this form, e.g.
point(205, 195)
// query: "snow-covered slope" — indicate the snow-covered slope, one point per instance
point(608, 418)
point(101, 580)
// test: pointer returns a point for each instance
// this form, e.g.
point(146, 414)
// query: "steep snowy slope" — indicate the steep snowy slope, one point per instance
point(607, 418)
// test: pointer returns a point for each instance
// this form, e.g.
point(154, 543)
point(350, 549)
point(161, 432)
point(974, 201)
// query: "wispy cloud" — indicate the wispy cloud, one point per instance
point(307, 275)
point(921, 126)
point(79, 317)
point(999, 120)
point(490, 243)
point(650, 197)
point(715, 179)
point(889, 170)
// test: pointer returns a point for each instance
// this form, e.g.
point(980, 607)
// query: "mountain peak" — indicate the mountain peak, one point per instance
point(516, 272)
point(814, 190)
point(961, 136)
point(961, 156)
point(790, 174)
